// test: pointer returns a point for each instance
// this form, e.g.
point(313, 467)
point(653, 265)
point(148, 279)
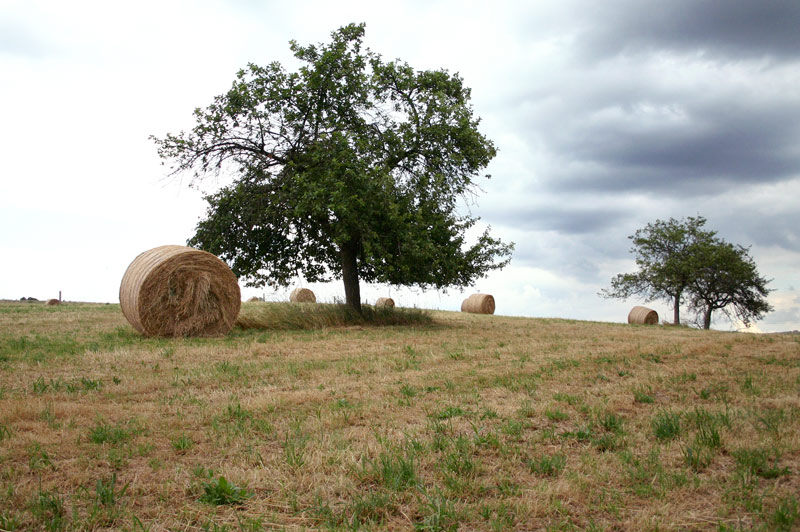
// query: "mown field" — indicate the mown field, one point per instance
point(467, 423)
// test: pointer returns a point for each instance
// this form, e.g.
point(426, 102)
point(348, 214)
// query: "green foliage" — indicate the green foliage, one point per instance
point(678, 260)
point(760, 462)
point(667, 425)
point(662, 251)
point(395, 469)
point(547, 466)
point(104, 432)
point(349, 167)
point(725, 278)
point(221, 492)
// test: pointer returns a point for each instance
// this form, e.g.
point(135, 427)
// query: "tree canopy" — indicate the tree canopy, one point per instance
point(726, 278)
point(350, 166)
point(679, 260)
point(662, 250)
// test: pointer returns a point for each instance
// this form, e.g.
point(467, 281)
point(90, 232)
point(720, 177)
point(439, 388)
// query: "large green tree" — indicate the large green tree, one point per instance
point(350, 166)
point(662, 251)
point(726, 278)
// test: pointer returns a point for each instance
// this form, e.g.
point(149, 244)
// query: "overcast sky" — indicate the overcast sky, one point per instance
point(608, 115)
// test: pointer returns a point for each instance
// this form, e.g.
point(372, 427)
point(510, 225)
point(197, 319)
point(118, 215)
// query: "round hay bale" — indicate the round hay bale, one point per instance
point(254, 299)
point(53, 302)
point(643, 316)
point(386, 302)
point(302, 295)
point(179, 291)
point(478, 304)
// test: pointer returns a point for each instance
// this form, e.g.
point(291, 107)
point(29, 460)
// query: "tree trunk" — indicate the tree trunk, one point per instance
point(707, 318)
point(676, 313)
point(352, 291)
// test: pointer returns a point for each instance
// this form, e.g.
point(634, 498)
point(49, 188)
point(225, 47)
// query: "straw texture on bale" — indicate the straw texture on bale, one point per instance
point(387, 302)
point(179, 291)
point(478, 304)
point(302, 295)
point(643, 316)
point(53, 302)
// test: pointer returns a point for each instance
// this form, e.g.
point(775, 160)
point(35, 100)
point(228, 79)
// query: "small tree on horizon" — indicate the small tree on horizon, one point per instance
point(726, 279)
point(678, 260)
point(662, 250)
point(350, 167)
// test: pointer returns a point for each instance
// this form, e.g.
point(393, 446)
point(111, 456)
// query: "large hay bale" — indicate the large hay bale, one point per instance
point(179, 291)
point(643, 316)
point(386, 302)
point(478, 304)
point(302, 295)
point(53, 302)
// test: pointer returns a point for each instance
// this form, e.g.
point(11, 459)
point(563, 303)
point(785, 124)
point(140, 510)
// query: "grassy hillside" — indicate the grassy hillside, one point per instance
point(470, 422)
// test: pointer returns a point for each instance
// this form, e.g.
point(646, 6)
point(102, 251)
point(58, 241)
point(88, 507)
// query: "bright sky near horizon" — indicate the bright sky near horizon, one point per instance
point(607, 115)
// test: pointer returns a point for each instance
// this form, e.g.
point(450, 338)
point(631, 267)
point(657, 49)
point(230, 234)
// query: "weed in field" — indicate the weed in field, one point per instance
point(761, 462)
point(48, 508)
point(220, 492)
point(643, 394)
point(647, 476)
point(182, 443)
point(666, 425)
point(460, 460)
point(449, 412)
point(438, 513)
point(38, 458)
point(785, 515)
point(749, 387)
point(5, 431)
point(10, 522)
point(547, 465)
point(512, 428)
point(106, 507)
point(697, 457)
point(394, 469)
point(611, 422)
point(104, 432)
point(651, 357)
point(554, 414)
point(294, 446)
point(566, 398)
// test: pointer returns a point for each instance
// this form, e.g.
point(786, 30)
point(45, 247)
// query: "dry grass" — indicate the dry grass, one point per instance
point(472, 422)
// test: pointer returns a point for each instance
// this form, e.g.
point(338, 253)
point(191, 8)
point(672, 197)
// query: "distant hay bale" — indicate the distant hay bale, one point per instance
point(643, 316)
point(53, 302)
point(386, 302)
point(254, 299)
point(478, 304)
point(179, 291)
point(302, 295)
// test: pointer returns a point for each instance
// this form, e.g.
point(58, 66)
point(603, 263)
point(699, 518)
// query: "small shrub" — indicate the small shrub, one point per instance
point(643, 395)
point(761, 462)
point(221, 492)
point(667, 425)
point(548, 466)
point(182, 443)
point(554, 414)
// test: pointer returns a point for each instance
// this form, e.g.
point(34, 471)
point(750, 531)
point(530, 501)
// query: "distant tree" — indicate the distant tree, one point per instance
point(663, 251)
point(349, 166)
point(725, 278)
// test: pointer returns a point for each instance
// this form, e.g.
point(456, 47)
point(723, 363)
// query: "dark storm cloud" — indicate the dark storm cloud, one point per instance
point(714, 146)
point(726, 29)
point(562, 218)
